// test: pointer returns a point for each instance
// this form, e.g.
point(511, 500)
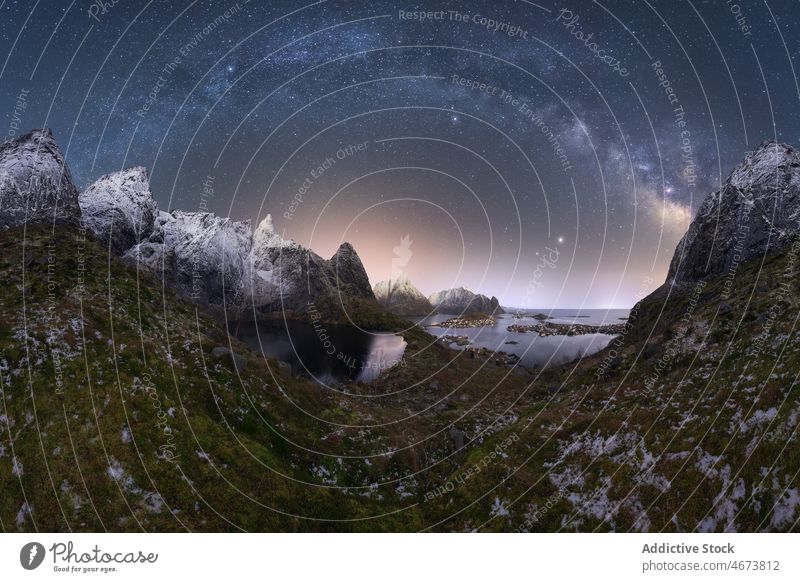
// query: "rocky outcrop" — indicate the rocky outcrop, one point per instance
point(286, 276)
point(35, 184)
point(154, 258)
point(464, 301)
point(119, 209)
point(401, 297)
point(206, 255)
point(283, 275)
point(347, 269)
point(757, 210)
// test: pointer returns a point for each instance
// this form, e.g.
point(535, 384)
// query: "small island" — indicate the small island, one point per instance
point(470, 320)
point(545, 329)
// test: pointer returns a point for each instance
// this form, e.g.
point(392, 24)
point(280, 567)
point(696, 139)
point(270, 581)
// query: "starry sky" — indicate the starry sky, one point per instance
point(551, 154)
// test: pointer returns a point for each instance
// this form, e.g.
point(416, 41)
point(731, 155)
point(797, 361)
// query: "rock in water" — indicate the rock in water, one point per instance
point(35, 184)
point(756, 211)
point(400, 296)
point(463, 301)
point(119, 208)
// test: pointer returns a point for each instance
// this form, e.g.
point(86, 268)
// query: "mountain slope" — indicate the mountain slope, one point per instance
point(756, 211)
point(124, 409)
point(122, 383)
point(119, 413)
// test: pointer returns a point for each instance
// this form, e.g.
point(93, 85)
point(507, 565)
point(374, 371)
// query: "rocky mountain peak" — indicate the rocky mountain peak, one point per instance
point(35, 183)
point(757, 210)
point(265, 237)
point(771, 165)
point(398, 295)
point(266, 226)
point(461, 300)
point(349, 270)
point(345, 253)
point(212, 259)
point(119, 208)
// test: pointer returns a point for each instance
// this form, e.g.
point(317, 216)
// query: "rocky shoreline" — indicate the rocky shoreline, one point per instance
point(466, 321)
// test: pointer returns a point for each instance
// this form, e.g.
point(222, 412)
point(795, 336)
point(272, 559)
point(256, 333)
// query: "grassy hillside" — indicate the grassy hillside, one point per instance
point(117, 416)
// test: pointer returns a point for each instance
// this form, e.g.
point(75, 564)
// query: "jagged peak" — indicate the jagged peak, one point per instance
point(395, 281)
point(344, 249)
point(35, 135)
point(35, 182)
point(40, 141)
point(763, 163)
point(266, 237)
point(756, 211)
point(134, 173)
point(400, 278)
point(452, 290)
point(266, 226)
point(771, 144)
point(195, 223)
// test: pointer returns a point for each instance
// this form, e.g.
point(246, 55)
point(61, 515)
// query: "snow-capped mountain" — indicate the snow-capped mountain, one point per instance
point(757, 210)
point(35, 182)
point(119, 208)
point(208, 258)
point(399, 295)
point(463, 301)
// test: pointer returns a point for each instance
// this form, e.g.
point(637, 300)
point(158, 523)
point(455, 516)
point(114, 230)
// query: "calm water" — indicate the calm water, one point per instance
point(338, 353)
point(327, 353)
point(535, 351)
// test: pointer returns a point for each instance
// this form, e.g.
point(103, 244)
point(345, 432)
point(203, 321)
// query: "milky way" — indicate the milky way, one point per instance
point(494, 135)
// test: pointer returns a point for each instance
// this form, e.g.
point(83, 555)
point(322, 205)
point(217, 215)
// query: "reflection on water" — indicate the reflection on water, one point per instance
point(535, 351)
point(329, 353)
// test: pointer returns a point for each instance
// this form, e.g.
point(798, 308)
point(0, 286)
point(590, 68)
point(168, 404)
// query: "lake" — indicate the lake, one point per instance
point(535, 351)
point(338, 353)
point(326, 353)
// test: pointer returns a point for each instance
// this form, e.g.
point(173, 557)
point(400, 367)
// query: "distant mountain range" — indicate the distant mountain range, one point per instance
point(401, 297)
point(463, 301)
point(213, 260)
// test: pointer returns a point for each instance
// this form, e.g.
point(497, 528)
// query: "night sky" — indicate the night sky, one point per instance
point(549, 154)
